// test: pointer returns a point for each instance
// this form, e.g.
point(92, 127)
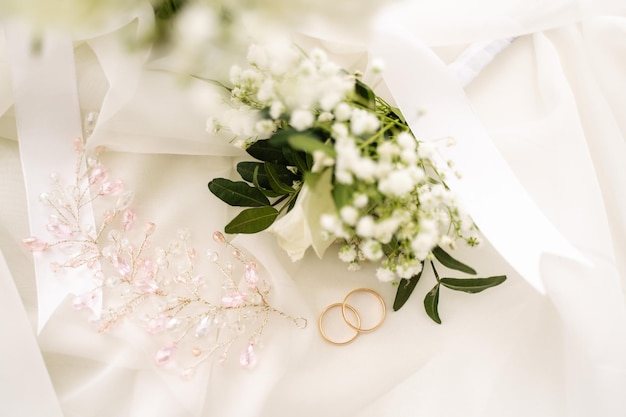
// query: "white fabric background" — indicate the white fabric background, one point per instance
point(553, 104)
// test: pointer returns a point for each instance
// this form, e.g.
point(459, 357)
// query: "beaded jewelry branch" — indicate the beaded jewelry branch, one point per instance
point(197, 312)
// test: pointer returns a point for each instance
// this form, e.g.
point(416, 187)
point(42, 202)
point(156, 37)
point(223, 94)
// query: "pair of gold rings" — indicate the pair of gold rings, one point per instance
point(354, 322)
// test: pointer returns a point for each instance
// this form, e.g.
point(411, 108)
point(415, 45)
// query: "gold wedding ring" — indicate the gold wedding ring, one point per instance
point(343, 306)
point(358, 326)
point(351, 322)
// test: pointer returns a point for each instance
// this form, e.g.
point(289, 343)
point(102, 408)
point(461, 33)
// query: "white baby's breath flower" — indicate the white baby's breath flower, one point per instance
point(325, 117)
point(257, 56)
point(360, 200)
point(409, 157)
point(213, 125)
point(364, 169)
point(409, 269)
point(277, 109)
point(365, 226)
point(301, 119)
point(372, 250)
point(387, 150)
point(396, 184)
point(266, 91)
point(423, 244)
point(385, 275)
point(349, 215)
point(406, 141)
point(265, 128)
point(339, 131)
point(377, 65)
point(363, 122)
point(447, 242)
point(347, 253)
point(342, 111)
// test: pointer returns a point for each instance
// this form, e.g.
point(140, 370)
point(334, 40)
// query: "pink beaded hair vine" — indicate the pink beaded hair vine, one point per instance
point(195, 311)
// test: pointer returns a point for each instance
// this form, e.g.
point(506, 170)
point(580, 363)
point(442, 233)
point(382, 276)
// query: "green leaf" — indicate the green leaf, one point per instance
point(301, 162)
point(342, 194)
point(237, 193)
point(396, 112)
point(266, 152)
point(268, 192)
point(246, 170)
point(405, 289)
point(310, 144)
point(472, 285)
point(431, 304)
point(365, 95)
point(448, 261)
point(252, 220)
point(391, 247)
point(275, 181)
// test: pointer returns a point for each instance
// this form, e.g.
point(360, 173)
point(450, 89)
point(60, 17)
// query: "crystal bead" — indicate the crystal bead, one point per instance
point(112, 281)
point(125, 200)
point(78, 144)
point(83, 301)
point(120, 264)
point(184, 234)
point(34, 244)
point(247, 359)
point(237, 254)
point(60, 230)
point(251, 275)
point(229, 267)
point(203, 327)
point(198, 280)
point(111, 187)
point(98, 174)
point(233, 299)
point(164, 354)
point(219, 237)
point(149, 228)
point(108, 216)
point(192, 254)
point(147, 286)
point(187, 373)
point(173, 324)
point(212, 255)
point(157, 324)
point(196, 351)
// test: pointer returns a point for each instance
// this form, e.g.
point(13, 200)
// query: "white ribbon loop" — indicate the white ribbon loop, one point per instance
point(499, 205)
point(48, 118)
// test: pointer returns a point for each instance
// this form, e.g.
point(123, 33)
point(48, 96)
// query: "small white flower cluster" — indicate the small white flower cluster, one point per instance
point(399, 203)
point(400, 208)
point(284, 87)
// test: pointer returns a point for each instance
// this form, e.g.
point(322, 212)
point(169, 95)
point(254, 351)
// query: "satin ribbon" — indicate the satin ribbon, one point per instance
point(25, 386)
point(420, 82)
point(48, 118)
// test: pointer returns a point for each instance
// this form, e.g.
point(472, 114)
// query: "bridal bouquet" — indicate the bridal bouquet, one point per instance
point(334, 162)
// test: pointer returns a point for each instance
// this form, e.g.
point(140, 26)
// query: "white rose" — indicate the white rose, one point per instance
point(301, 228)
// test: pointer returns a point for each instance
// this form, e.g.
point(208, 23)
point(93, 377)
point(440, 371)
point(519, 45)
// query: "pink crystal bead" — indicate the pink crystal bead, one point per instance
point(219, 237)
point(78, 144)
point(128, 219)
point(149, 228)
point(34, 244)
point(109, 216)
point(247, 359)
point(111, 187)
point(98, 174)
point(83, 301)
point(148, 286)
point(233, 299)
point(251, 275)
point(120, 264)
point(60, 230)
point(164, 354)
point(157, 324)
